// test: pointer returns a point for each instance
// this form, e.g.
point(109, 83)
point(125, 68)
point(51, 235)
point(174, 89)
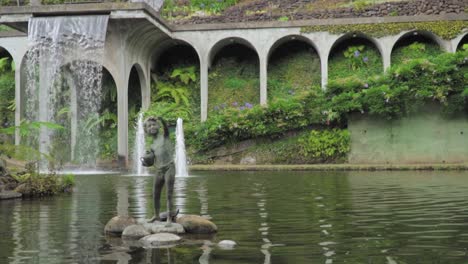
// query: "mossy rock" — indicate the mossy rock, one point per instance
point(118, 224)
point(197, 225)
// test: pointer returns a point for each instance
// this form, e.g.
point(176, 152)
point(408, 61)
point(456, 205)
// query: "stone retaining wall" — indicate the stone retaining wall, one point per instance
point(258, 11)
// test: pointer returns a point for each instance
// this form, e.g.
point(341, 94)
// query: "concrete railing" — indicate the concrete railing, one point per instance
point(155, 4)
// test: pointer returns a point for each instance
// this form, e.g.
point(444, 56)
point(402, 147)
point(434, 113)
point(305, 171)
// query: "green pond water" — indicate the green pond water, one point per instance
point(275, 217)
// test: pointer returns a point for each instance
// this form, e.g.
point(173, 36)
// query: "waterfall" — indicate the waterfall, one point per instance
point(180, 156)
point(60, 46)
point(139, 148)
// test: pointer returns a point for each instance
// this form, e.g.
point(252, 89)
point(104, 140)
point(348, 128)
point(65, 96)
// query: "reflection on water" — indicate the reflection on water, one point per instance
point(275, 217)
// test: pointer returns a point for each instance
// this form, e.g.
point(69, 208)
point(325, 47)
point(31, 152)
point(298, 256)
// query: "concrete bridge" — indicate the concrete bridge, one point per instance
point(137, 37)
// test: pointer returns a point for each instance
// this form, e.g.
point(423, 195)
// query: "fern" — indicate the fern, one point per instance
point(185, 75)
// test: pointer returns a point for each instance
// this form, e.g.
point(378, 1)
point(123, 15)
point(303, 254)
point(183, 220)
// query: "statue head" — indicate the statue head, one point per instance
point(152, 126)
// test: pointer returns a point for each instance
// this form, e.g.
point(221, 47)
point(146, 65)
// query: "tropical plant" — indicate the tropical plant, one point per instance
point(354, 55)
point(185, 75)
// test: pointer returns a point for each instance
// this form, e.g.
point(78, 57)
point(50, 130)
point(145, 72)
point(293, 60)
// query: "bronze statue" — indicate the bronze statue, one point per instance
point(161, 155)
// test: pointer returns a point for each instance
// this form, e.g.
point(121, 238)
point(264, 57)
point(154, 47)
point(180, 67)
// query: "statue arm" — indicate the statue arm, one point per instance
point(166, 128)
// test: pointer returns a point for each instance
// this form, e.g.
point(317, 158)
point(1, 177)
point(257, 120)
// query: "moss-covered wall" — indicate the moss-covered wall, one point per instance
point(427, 137)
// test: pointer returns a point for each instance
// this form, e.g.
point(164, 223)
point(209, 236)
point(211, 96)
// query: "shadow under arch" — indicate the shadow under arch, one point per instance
point(356, 36)
point(167, 45)
point(291, 38)
point(463, 41)
point(363, 63)
point(136, 87)
point(221, 44)
point(294, 66)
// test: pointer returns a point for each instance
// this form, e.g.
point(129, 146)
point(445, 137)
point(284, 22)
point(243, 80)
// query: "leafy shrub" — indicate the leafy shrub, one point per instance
point(7, 92)
point(415, 50)
point(326, 144)
point(234, 124)
point(172, 97)
point(361, 60)
point(293, 68)
point(401, 91)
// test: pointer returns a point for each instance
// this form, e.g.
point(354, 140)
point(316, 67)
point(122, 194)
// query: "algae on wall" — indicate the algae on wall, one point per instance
point(426, 137)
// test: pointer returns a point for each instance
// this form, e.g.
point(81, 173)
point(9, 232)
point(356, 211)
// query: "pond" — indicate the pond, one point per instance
point(275, 217)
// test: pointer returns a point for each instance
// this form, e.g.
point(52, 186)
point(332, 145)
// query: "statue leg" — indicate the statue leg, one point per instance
point(170, 180)
point(157, 189)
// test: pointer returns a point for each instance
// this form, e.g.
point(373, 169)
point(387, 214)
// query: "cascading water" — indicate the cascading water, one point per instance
point(180, 156)
point(71, 46)
point(139, 148)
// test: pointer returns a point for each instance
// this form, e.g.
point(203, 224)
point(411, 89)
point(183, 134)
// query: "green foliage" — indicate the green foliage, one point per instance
point(172, 97)
point(353, 54)
point(360, 5)
point(5, 28)
point(444, 29)
point(283, 18)
point(326, 144)
point(233, 82)
point(360, 60)
point(401, 91)
point(35, 184)
point(405, 88)
point(293, 71)
point(7, 91)
point(214, 6)
point(172, 7)
point(25, 129)
point(68, 180)
point(185, 75)
point(416, 50)
point(235, 124)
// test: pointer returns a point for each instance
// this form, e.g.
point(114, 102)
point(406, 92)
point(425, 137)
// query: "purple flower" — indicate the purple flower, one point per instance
point(365, 59)
point(357, 53)
point(242, 108)
point(248, 105)
point(366, 85)
point(235, 104)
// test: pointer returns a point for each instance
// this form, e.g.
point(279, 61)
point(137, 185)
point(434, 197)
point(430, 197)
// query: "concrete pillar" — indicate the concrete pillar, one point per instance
point(324, 70)
point(386, 57)
point(122, 120)
point(146, 92)
point(204, 89)
point(263, 79)
point(18, 99)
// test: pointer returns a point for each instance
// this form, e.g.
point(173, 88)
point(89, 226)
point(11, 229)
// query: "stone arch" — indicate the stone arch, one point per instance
point(356, 35)
point(234, 66)
point(167, 44)
point(177, 54)
point(463, 40)
point(137, 78)
point(218, 46)
point(290, 38)
point(7, 117)
point(369, 62)
point(436, 44)
point(422, 33)
point(293, 65)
